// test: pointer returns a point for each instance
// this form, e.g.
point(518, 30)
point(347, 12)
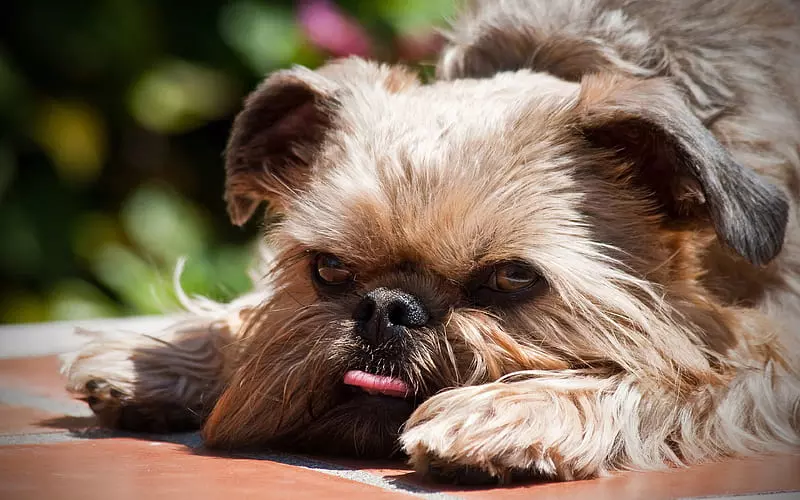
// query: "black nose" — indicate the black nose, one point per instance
point(384, 313)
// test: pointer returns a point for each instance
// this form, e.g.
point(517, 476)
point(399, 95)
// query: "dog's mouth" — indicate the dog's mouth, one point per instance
point(375, 385)
point(364, 417)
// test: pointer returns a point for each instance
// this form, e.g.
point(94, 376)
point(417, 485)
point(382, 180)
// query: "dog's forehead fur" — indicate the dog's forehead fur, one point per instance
point(478, 163)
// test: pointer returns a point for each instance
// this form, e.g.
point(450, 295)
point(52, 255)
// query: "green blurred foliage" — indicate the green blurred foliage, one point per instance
point(113, 119)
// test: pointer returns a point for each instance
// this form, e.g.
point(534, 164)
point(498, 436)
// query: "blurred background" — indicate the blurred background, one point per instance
point(113, 118)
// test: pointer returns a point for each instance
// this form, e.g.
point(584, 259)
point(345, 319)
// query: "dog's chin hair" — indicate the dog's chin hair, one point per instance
point(363, 426)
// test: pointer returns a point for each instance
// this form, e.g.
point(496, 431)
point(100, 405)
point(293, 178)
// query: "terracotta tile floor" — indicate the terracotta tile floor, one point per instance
point(50, 449)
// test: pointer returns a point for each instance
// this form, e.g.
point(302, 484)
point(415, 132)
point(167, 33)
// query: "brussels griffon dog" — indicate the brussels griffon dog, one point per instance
point(577, 251)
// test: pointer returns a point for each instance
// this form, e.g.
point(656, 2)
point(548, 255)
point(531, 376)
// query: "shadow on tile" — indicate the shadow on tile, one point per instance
point(391, 474)
point(69, 423)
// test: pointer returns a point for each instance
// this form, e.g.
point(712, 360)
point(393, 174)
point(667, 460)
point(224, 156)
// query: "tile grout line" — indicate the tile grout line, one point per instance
point(19, 397)
point(28, 438)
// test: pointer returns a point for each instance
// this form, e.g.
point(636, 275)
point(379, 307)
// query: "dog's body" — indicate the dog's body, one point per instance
point(598, 201)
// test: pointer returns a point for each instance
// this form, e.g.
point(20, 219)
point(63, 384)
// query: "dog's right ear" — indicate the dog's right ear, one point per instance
point(688, 172)
point(275, 139)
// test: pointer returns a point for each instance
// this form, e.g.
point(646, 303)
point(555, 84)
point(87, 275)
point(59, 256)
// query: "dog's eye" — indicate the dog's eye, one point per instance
point(512, 277)
point(329, 270)
point(504, 284)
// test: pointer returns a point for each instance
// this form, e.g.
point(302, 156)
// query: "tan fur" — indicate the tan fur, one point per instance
point(644, 157)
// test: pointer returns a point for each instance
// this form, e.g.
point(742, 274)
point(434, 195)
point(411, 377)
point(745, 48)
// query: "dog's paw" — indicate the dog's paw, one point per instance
point(143, 384)
point(488, 434)
point(117, 409)
point(103, 399)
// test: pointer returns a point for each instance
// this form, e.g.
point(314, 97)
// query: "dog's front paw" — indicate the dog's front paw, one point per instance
point(139, 383)
point(103, 399)
point(489, 434)
point(117, 409)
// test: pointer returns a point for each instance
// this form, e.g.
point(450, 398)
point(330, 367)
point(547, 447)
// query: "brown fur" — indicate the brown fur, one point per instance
point(651, 180)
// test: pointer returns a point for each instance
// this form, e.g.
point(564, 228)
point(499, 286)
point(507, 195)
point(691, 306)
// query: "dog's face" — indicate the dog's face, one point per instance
point(446, 235)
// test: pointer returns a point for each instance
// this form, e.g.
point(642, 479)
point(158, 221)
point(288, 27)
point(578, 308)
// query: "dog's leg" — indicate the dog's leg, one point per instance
point(160, 382)
point(569, 427)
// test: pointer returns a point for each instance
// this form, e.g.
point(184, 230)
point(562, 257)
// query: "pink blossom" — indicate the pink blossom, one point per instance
point(327, 27)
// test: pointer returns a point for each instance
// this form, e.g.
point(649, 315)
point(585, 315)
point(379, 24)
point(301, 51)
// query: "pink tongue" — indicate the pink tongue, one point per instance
point(377, 384)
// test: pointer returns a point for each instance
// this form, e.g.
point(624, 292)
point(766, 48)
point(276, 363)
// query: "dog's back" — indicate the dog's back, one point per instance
point(720, 51)
point(736, 61)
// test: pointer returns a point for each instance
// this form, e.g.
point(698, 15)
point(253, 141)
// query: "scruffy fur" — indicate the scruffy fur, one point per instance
point(642, 156)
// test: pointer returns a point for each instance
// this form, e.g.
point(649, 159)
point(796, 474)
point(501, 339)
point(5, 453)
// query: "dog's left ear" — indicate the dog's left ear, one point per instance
point(275, 138)
point(278, 136)
point(680, 161)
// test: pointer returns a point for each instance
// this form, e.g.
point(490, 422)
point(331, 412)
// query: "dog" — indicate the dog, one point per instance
point(575, 252)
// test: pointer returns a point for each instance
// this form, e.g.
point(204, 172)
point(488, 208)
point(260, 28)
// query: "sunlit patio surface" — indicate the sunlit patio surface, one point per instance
point(50, 448)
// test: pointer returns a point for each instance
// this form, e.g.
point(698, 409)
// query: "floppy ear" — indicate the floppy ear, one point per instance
point(284, 124)
point(275, 138)
point(680, 161)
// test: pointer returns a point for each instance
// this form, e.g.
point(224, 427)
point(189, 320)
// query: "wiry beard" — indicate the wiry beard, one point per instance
point(289, 388)
point(361, 425)
point(355, 423)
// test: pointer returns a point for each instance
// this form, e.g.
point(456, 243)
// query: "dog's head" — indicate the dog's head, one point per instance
point(433, 236)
